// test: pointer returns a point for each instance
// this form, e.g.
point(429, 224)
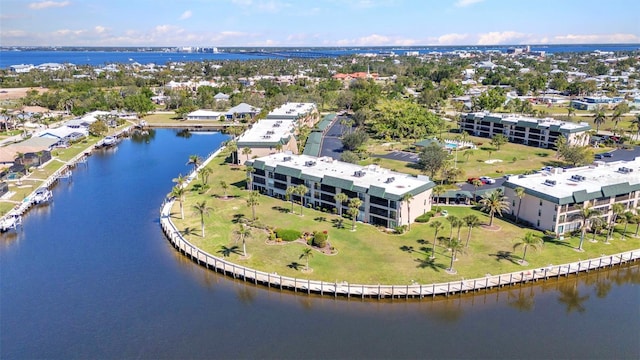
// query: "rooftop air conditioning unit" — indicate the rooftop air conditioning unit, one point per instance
point(359, 173)
point(390, 180)
point(286, 158)
point(310, 163)
point(550, 182)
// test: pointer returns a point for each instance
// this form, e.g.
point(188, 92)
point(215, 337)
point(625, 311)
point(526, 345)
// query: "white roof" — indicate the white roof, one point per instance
point(268, 131)
point(371, 175)
point(61, 132)
point(292, 110)
point(596, 176)
point(205, 113)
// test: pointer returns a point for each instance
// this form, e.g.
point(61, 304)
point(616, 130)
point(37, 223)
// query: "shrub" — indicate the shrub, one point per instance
point(320, 239)
point(400, 229)
point(424, 217)
point(288, 234)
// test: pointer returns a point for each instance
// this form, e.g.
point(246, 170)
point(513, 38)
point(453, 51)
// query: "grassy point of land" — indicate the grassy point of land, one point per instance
point(367, 255)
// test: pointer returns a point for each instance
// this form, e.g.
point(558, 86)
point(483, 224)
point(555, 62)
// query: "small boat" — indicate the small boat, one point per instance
point(10, 222)
point(42, 196)
point(109, 141)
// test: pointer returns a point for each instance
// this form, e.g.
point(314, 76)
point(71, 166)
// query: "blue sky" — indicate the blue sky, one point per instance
point(316, 22)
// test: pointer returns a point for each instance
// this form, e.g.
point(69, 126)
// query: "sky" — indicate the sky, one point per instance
point(264, 23)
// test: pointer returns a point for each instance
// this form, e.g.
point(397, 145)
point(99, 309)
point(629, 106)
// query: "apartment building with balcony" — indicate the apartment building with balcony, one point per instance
point(525, 130)
point(380, 190)
point(303, 113)
point(553, 199)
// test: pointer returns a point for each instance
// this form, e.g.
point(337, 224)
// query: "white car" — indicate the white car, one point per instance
point(487, 180)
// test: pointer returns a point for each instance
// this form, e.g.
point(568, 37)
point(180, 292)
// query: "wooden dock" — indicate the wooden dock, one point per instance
point(343, 289)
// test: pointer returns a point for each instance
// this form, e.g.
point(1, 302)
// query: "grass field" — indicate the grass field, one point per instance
point(367, 255)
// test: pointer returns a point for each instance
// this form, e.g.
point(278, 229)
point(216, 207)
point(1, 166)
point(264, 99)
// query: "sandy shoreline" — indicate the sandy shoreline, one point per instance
point(17, 93)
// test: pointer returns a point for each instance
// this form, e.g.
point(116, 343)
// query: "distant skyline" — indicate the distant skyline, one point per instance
point(263, 23)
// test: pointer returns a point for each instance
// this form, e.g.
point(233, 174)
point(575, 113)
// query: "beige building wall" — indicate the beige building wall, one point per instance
point(420, 204)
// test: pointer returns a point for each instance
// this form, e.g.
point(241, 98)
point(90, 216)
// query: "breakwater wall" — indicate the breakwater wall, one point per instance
point(343, 289)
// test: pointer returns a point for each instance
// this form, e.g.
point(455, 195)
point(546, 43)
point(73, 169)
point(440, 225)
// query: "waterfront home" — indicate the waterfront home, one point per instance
point(203, 114)
point(525, 130)
point(554, 198)
point(64, 134)
point(381, 191)
point(242, 110)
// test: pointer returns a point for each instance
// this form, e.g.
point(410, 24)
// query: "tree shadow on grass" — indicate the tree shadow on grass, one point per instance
point(505, 255)
point(189, 231)
point(558, 242)
point(430, 264)
point(295, 266)
point(411, 250)
point(320, 219)
point(338, 223)
point(240, 184)
point(281, 209)
point(239, 219)
point(226, 251)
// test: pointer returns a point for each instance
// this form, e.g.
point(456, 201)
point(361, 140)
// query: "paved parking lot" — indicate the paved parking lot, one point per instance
point(401, 156)
point(620, 154)
point(331, 143)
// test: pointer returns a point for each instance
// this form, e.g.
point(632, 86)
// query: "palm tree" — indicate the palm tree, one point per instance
point(570, 112)
point(250, 170)
point(476, 184)
point(597, 223)
point(436, 225)
point(635, 125)
point(204, 174)
point(626, 218)
point(471, 221)
point(585, 215)
point(178, 192)
point(278, 147)
point(180, 180)
point(529, 240)
point(520, 194)
point(289, 195)
point(453, 222)
point(599, 117)
point(494, 202)
point(301, 190)
point(232, 147)
point(306, 254)
point(194, 160)
point(224, 186)
point(408, 197)
point(616, 209)
point(246, 151)
point(252, 201)
point(455, 246)
point(354, 210)
point(203, 210)
point(243, 231)
point(437, 191)
point(340, 198)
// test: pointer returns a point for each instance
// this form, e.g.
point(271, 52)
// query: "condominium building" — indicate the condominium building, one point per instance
point(382, 191)
point(267, 137)
point(553, 199)
point(525, 130)
point(303, 113)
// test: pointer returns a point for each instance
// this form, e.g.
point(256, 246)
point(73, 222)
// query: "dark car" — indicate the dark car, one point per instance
point(607, 154)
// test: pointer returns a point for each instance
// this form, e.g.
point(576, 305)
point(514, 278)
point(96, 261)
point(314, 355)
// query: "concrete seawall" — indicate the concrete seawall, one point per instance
point(344, 289)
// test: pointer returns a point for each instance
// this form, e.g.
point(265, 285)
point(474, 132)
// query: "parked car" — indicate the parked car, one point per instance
point(472, 179)
point(607, 154)
point(507, 176)
point(599, 156)
point(487, 180)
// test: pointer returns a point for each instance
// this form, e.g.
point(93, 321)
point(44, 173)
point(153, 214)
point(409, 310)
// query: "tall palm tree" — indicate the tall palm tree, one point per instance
point(250, 170)
point(202, 210)
point(340, 198)
point(471, 221)
point(301, 190)
point(453, 223)
point(246, 151)
point(635, 125)
point(178, 192)
point(204, 174)
point(289, 195)
point(224, 186)
point(278, 147)
point(617, 209)
point(476, 184)
point(495, 203)
point(180, 180)
point(626, 218)
point(585, 215)
point(306, 254)
point(243, 231)
point(437, 191)
point(194, 160)
point(232, 147)
point(253, 200)
point(520, 194)
point(436, 225)
point(570, 112)
point(455, 246)
point(354, 210)
point(407, 198)
point(599, 117)
point(529, 240)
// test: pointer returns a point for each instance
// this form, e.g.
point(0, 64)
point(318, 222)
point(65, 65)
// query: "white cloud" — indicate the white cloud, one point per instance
point(452, 39)
point(185, 15)
point(100, 29)
point(48, 4)
point(503, 37)
point(465, 3)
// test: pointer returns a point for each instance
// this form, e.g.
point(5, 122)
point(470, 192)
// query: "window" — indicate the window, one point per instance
point(540, 202)
point(539, 212)
point(538, 223)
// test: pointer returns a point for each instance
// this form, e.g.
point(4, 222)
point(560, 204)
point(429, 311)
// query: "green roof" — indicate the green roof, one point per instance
point(257, 164)
point(324, 123)
point(312, 147)
point(285, 170)
point(377, 191)
point(310, 177)
point(337, 182)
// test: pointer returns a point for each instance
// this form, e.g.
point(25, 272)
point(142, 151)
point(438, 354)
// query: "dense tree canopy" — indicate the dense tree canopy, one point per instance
point(401, 119)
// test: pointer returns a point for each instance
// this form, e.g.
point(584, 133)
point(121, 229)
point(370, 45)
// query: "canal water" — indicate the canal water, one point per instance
point(92, 276)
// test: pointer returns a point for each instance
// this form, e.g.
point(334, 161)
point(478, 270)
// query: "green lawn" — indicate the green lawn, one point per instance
point(367, 255)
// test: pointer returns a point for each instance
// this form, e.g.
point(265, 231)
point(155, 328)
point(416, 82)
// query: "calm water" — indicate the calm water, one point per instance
point(92, 276)
point(97, 58)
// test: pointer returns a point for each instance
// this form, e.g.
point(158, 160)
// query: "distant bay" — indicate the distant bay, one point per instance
point(96, 57)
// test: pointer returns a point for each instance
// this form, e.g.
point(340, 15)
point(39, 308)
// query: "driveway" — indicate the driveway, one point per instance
point(620, 154)
point(331, 142)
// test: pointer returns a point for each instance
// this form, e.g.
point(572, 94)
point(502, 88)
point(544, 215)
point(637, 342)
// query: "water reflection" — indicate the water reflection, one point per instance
point(522, 299)
point(141, 136)
point(184, 133)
